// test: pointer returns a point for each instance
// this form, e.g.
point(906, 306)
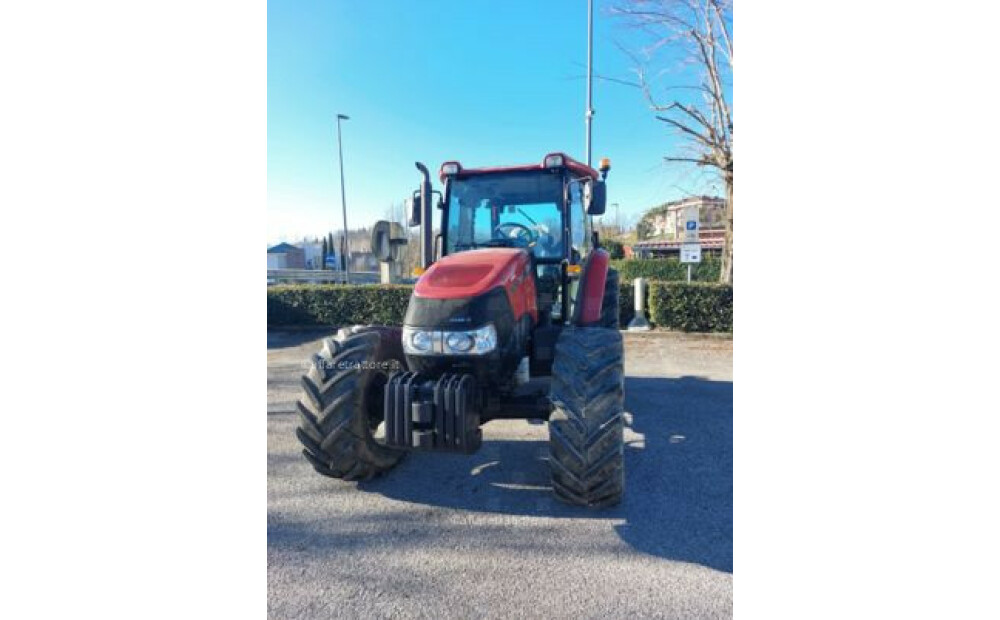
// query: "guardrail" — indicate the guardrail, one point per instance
point(317, 276)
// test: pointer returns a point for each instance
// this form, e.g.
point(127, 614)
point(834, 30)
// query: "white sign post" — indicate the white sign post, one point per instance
point(639, 322)
point(691, 247)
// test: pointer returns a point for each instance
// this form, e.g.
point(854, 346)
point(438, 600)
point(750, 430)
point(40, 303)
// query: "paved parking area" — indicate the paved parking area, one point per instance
point(454, 536)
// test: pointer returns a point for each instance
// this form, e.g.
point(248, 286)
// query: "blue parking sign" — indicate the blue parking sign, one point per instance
point(692, 225)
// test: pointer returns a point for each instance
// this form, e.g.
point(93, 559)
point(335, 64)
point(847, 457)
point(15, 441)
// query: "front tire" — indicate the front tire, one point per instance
point(342, 401)
point(586, 428)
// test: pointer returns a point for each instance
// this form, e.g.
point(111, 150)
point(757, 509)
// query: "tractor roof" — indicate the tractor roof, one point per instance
point(568, 162)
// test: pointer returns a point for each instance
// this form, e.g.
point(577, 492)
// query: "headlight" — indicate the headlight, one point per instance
point(486, 339)
point(418, 341)
point(460, 342)
point(475, 342)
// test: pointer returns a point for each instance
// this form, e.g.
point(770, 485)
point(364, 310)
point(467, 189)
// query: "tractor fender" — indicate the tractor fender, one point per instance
point(590, 294)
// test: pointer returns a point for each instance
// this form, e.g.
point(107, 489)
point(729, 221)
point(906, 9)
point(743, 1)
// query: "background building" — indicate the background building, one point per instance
point(313, 254)
point(660, 232)
point(285, 256)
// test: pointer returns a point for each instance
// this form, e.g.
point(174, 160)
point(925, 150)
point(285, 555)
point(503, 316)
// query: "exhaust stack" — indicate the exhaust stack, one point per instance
point(426, 218)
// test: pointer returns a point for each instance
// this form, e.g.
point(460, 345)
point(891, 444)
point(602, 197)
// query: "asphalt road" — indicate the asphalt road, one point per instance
point(453, 536)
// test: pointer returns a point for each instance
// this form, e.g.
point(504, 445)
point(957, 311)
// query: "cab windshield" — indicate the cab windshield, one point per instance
point(513, 209)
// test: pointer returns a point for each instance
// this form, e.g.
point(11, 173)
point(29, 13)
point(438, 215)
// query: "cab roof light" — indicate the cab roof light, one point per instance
point(450, 169)
point(554, 160)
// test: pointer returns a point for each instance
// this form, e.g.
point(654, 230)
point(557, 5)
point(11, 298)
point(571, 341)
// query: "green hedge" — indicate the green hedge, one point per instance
point(336, 304)
point(667, 269)
point(694, 307)
point(615, 248)
point(626, 303)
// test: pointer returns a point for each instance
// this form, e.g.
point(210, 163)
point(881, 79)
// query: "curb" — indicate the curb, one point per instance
point(302, 328)
point(667, 333)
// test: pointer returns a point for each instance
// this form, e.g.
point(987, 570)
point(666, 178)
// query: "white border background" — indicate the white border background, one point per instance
point(864, 464)
point(133, 139)
point(133, 155)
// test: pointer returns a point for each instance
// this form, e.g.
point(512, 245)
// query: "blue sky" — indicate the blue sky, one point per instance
point(486, 83)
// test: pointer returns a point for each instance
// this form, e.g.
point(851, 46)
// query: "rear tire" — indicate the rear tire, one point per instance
point(341, 403)
point(586, 428)
point(609, 305)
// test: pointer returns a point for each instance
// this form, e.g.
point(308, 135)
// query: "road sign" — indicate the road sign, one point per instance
point(691, 224)
point(691, 253)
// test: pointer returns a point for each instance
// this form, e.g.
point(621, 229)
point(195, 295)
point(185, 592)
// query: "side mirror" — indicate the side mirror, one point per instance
point(414, 204)
point(595, 196)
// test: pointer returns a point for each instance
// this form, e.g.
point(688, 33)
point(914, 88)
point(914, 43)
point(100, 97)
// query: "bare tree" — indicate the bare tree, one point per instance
point(700, 33)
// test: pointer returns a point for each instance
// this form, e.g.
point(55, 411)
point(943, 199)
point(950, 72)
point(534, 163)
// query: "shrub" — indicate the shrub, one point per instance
point(695, 307)
point(667, 269)
point(614, 247)
point(336, 304)
point(626, 303)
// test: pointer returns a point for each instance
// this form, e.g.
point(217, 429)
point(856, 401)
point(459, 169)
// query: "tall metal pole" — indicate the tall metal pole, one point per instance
point(590, 71)
point(343, 201)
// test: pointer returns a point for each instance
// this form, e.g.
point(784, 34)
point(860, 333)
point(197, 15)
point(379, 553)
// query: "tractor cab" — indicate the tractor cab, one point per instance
point(541, 207)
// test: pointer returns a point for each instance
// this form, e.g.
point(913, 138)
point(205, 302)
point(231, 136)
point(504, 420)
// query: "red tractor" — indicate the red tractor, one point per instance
point(517, 318)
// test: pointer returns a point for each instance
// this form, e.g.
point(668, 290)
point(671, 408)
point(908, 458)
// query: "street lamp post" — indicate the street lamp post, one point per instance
point(343, 201)
point(590, 72)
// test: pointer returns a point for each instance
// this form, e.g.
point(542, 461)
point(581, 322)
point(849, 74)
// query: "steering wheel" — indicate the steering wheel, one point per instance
point(520, 231)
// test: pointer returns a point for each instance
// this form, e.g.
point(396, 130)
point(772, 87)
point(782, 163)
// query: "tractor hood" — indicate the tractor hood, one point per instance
point(472, 273)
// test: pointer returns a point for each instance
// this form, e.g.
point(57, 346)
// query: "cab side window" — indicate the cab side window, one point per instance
point(579, 223)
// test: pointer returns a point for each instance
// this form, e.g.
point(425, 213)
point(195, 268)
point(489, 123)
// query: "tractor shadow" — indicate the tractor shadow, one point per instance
point(678, 469)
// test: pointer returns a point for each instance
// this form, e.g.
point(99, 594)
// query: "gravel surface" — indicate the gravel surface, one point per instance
point(454, 536)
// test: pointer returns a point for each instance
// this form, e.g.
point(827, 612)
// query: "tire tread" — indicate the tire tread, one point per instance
point(586, 429)
point(334, 429)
